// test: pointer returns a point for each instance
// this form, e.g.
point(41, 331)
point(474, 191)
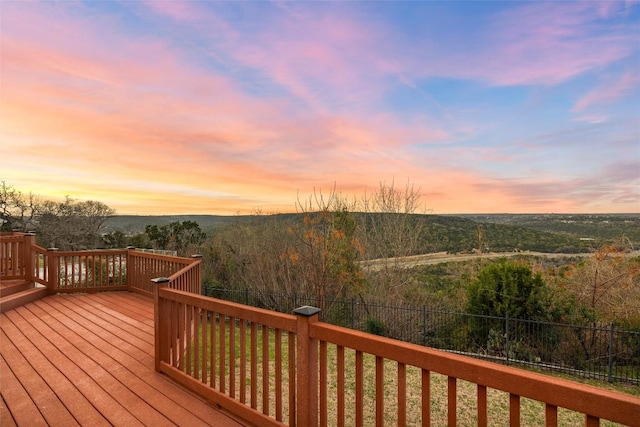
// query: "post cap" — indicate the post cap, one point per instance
point(306, 310)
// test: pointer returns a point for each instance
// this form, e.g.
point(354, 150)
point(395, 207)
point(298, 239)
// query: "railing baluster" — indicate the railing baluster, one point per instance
point(482, 406)
point(402, 394)
point(452, 395)
point(426, 398)
point(359, 389)
point(189, 333)
point(278, 362)
point(323, 383)
point(203, 347)
point(222, 330)
point(174, 333)
point(67, 283)
point(265, 369)
point(514, 410)
point(379, 391)
point(243, 361)
point(181, 333)
point(254, 366)
point(232, 357)
point(591, 421)
point(213, 350)
point(550, 415)
point(292, 343)
point(340, 380)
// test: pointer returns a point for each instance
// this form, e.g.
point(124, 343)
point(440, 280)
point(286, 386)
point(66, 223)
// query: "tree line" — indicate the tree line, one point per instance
point(320, 253)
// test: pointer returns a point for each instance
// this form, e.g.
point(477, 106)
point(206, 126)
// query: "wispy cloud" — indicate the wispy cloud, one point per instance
point(611, 90)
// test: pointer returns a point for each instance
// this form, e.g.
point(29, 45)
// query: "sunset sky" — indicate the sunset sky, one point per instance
point(185, 107)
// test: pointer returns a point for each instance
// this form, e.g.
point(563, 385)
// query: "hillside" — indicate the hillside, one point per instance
point(133, 224)
point(458, 233)
point(598, 227)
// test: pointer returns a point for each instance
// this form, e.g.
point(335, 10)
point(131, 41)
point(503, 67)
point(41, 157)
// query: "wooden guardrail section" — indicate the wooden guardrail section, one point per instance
point(92, 270)
point(13, 259)
point(143, 267)
point(275, 369)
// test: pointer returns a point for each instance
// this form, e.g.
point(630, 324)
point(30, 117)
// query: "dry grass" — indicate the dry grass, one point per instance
point(531, 412)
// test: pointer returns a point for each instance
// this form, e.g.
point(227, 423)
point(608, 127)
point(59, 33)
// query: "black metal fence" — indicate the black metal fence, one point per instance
point(600, 351)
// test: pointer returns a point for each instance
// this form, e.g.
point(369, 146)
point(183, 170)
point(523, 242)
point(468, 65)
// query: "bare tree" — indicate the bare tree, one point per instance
point(310, 255)
point(390, 231)
point(71, 224)
point(326, 247)
point(17, 211)
point(608, 283)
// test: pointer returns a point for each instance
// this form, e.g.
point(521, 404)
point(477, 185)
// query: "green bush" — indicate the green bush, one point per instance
point(375, 326)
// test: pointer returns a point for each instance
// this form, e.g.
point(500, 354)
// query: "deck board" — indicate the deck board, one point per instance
point(88, 360)
point(76, 404)
point(6, 419)
point(51, 408)
point(27, 412)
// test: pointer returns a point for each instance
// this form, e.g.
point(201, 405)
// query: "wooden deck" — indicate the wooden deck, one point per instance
point(88, 360)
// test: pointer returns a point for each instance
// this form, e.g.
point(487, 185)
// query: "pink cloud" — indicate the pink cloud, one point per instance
point(609, 92)
point(179, 10)
point(315, 56)
point(539, 43)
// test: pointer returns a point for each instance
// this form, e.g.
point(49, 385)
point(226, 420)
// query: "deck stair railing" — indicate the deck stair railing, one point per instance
point(278, 369)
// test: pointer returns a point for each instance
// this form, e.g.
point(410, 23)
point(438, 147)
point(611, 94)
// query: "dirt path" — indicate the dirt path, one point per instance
point(439, 257)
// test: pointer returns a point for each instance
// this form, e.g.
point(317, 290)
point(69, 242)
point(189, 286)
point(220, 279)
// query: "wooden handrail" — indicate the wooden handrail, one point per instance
point(198, 330)
point(589, 400)
point(91, 270)
point(142, 267)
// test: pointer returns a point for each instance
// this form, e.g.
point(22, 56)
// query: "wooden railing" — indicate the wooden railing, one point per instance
point(221, 350)
point(13, 259)
point(278, 369)
point(143, 267)
point(93, 270)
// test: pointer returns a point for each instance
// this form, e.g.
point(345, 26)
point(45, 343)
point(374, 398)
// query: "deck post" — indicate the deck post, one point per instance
point(159, 321)
point(198, 273)
point(130, 267)
point(29, 243)
point(307, 367)
point(53, 263)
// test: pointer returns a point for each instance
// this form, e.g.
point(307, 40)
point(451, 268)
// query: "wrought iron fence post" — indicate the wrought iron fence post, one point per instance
point(424, 325)
point(506, 335)
point(353, 313)
point(611, 343)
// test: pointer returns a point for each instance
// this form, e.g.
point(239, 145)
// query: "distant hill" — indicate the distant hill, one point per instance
point(133, 224)
point(458, 233)
point(598, 227)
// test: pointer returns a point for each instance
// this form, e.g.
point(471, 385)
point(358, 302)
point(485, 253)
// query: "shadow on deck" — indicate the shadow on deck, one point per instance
point(89, 360)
